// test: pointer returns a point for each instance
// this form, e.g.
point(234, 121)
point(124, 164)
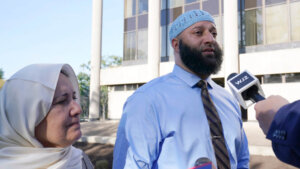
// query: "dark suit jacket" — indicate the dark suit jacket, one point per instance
point(285, 134)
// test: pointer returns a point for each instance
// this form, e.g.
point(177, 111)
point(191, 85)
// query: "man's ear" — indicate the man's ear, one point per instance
point(175, 44)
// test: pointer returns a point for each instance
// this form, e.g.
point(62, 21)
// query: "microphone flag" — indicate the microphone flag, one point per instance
point(203, 166)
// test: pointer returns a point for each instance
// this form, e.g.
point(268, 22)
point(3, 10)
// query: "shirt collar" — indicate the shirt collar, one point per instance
point(189, 78)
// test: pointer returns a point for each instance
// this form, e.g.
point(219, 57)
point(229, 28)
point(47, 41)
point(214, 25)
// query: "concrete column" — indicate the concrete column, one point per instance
point(153, 38)
point(94, 108)
point(231, 46)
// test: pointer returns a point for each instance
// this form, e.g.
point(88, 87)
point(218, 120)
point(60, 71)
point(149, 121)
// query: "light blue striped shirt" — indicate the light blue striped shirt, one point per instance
point(164, 125)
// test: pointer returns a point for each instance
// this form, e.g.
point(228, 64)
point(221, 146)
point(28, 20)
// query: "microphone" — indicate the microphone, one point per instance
point(246, 88)
point(203, 163)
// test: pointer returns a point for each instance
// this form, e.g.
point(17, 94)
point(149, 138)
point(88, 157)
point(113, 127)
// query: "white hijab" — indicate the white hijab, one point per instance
point(25, 100)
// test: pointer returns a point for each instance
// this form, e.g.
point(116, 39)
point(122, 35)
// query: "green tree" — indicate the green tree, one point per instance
point(1, 73)
point(84, 85)
point(110, 61)
point(1, 78)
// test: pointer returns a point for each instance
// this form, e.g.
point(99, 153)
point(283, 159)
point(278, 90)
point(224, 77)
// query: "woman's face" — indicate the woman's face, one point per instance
point(61, 127)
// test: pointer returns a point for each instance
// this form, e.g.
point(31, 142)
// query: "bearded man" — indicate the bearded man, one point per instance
point(177, 119)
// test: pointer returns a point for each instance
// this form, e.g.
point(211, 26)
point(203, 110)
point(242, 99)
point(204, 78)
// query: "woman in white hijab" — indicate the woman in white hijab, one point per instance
point(39, 119)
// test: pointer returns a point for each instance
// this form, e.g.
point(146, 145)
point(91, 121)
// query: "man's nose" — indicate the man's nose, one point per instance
point(208, 37)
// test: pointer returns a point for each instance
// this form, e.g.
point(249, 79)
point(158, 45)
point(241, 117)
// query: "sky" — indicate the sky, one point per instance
point(55, 31)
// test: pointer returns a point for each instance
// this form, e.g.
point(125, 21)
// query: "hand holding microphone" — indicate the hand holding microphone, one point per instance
point(266, 110)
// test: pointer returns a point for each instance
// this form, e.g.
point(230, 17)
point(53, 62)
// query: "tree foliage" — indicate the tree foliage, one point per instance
point(1, 73)
point(111, 61)
point(84, 84)
point(84, 87)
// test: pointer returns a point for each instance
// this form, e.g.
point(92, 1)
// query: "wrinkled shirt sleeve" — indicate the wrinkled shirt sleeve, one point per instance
point(138, 136)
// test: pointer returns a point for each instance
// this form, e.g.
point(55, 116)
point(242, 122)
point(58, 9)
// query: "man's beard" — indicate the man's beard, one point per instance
point(200, 64)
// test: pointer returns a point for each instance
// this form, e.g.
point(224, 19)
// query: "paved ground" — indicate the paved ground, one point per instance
point(100, 136)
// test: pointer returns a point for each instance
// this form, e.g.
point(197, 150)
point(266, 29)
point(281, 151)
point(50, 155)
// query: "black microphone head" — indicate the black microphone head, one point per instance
point(202, 160)
point(231, 76)
point(252, 94)
point(249, 93)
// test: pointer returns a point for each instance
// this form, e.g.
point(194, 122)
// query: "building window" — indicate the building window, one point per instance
point(119, 88)
point(269, 22)
point(277, 26)
point(164, 4)
point(143, 6)
point(275, 78)
point(142, 51)
point(280, 78)
point(272, 2)
point(253, 4)
point(295, 21)
point(164, 42)
point(129, 46)
point(292, 77)
point(253, 22)
point(131, 87)
point(174, 13)
point(129, 24)
point(190, 1)
point(124, 87)
point(190, 7)
point(136, 30)
point(211, 6)
point(130, 8)
point(253, 27)
point(143, 21)
point(174, 3)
